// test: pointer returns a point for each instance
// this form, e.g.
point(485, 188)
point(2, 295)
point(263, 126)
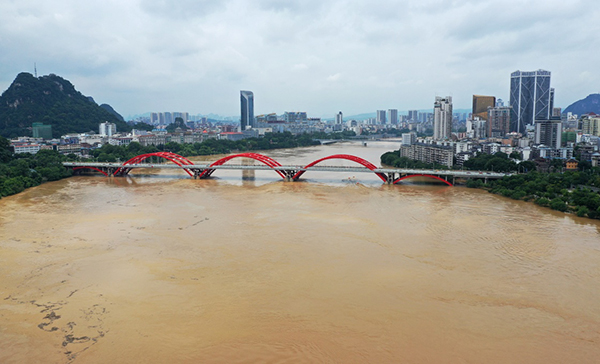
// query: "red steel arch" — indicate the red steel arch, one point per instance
point(423, 175)
point(175, 158)
point(349, 157)
point(259, 157)
point(87, 167)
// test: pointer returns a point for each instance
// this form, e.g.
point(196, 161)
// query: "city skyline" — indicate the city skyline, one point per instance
point(319, 57)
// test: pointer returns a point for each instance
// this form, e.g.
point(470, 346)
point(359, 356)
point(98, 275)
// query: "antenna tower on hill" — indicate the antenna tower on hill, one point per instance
point(35, 69)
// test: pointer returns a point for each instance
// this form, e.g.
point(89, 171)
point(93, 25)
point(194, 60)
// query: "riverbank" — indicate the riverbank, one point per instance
point(565, 192)
point(22, 171)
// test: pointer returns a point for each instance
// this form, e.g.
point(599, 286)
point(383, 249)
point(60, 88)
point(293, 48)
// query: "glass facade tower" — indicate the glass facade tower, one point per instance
point(531, 98)
point(247, 103)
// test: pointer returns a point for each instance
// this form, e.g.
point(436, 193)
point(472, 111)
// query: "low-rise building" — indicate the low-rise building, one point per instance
point(429, 153)
point(571, 164)
point(26, 148)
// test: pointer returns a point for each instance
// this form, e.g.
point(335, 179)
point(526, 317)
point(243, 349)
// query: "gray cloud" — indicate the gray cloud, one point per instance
point(318, 56)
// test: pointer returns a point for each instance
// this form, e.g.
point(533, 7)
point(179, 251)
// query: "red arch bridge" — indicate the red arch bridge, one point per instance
point(286, 172)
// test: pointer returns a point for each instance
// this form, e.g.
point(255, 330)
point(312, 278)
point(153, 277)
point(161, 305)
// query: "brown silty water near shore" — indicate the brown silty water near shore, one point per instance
point(245, 268)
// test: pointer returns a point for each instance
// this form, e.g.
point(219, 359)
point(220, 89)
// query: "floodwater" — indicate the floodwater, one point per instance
point(245, 268)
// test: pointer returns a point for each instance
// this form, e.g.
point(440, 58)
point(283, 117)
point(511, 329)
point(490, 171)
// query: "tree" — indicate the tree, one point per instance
point(527, 166)
point(178, 123)
point(558, 204)
point(516, 155)
point(5, 152)
point(582, 211)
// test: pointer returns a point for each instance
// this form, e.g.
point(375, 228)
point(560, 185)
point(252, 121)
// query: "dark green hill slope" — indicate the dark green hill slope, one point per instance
point(585, 106)
point(109, 108)
point(51, 100)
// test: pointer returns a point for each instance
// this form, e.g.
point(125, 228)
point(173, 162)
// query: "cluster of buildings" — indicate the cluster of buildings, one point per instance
point(82, 143)
point(529, 124)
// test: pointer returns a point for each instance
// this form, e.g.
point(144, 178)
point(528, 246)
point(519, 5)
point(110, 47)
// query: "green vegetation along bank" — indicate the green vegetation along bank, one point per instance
point(572, 191)
point(110, 153)
point(21, 171)
point(25, 170)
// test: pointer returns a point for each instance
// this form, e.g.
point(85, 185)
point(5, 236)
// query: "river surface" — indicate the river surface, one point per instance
point(245, 268)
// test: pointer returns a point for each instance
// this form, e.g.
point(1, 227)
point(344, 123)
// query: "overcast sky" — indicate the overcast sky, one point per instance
point(319, 56)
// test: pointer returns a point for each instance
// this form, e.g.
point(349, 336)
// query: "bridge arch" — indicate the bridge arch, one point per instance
point(94, 168)
point(256, 156)
point(175, 158)
point(423, 175)
point(349, 157)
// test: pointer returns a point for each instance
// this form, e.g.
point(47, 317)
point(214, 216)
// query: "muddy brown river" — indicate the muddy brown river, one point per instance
point(246, 268)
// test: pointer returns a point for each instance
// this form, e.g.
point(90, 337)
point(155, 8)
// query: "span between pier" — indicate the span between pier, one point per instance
point(286, 172)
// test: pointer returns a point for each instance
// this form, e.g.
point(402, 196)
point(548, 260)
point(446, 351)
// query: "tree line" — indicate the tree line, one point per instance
point(571, 191)
point(25, 170)
point(21, 171)
point(111, 153)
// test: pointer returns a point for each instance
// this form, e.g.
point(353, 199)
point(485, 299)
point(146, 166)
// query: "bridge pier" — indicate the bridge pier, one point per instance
point(289, 174)
point(197, 173)
point(391, 177)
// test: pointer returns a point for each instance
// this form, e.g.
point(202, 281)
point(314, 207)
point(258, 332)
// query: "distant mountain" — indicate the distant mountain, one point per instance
point(585, 106)
point(51, 100)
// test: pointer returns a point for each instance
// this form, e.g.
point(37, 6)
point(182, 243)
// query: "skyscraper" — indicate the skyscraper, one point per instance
point(481, 104)
point(393, 116)
point(247, 103)
point(413, 115)
point(442, 118)
point(531, 98)
point(339, 118)
point(381, 117)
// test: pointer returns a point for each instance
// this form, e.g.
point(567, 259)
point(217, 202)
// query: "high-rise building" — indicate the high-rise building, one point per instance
point(479, 128)
point(556, 112)
point(41, 131)
point(498, 121)
point(531, 98)
point(481, 104)
point(413, 115)
point(590, 124)
point(183, 115)
point(442, 118)
point(548, 132)
point(381, 117)
point(339, 118)
point(247, 103)
point(393, 116)
point(169, 119)
point(107, 129)
point(409, 138)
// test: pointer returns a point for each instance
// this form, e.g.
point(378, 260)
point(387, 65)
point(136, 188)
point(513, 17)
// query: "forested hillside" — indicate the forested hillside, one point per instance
point(51, 100)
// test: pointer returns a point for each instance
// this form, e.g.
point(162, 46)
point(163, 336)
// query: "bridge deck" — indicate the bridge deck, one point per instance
point(401, 171)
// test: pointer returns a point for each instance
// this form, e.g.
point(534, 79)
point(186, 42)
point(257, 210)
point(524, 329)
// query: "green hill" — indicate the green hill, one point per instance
point(51, 100)
point(585, 106)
